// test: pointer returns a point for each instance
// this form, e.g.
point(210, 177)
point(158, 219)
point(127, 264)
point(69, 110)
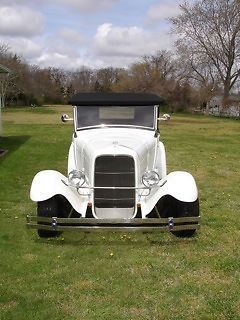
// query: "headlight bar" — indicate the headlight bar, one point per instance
point(114, 188)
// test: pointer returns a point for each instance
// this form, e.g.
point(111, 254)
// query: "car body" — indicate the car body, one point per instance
point(117, 175)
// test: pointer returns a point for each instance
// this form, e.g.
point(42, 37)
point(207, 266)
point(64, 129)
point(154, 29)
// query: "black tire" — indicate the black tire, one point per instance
point(171, 207)
point(48, 208)
point(190, 209)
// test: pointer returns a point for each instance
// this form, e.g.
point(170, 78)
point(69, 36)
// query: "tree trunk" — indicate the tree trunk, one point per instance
point(2, 101)
point(226, 94)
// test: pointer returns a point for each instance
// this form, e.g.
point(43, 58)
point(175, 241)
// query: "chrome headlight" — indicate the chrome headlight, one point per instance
point(150, 179)
point(76, 178)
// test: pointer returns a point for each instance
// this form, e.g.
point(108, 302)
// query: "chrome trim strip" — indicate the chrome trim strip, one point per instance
point(114, 228)
point(115, 126)
point(65, 224)
point(115, 188)
point(134, 221)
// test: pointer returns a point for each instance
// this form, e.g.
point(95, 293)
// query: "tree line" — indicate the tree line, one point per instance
point(32, 85)
point(206, 62)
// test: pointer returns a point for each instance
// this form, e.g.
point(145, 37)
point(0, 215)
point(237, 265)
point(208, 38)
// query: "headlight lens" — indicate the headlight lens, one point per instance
point(150, 179)
point(76, 178)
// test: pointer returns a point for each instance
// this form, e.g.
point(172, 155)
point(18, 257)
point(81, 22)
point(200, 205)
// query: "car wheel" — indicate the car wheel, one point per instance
point(189, 209)
point(48, 209)
point(168, 206)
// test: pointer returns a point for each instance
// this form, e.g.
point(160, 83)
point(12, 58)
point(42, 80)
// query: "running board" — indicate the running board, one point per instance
point(135, 224)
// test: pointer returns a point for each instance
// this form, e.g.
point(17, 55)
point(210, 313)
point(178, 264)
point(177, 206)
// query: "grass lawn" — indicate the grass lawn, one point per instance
point(108, 275)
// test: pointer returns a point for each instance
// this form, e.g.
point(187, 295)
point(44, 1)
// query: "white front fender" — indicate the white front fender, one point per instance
point(179, 184)
point(48, 183)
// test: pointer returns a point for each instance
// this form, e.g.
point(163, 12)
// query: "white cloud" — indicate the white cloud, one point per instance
point(128, 41)
point(65, 47)
point(20, 21)
point(163, 10)
point(53, 59)
point(80, 5)
point(23, 47)
point(65, 42)
point(64, 61)
point(87, 5)
point(71, 36)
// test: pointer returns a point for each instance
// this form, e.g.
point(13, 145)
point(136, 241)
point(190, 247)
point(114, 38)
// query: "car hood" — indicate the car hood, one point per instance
point(137, 143)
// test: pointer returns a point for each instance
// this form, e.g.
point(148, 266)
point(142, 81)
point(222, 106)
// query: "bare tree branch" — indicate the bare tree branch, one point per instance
point(211, 29)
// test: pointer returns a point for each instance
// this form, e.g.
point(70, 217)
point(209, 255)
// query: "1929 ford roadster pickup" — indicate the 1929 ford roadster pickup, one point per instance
point(117, 176)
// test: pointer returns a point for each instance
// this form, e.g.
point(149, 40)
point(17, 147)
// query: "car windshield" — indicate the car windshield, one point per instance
point(136, 116)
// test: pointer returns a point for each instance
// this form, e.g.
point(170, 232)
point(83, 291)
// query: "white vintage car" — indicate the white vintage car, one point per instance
point(117, 176)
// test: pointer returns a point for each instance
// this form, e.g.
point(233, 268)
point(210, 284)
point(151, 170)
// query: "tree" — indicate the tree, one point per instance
point(4, 78)
point(12, 63)
point(197, 71)
point(150, 74)
point(4, 72)
point(106, 78)
point(210, 31)
point(82, 79)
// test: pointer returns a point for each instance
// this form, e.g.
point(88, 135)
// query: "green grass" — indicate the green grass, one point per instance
point(108, 275)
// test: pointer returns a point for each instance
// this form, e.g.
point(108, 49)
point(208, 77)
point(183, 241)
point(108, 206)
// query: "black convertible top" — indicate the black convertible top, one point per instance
point(115, 99)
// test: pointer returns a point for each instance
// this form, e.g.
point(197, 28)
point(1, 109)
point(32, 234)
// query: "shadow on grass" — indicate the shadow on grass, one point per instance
point(140, 239)
point(11, 144)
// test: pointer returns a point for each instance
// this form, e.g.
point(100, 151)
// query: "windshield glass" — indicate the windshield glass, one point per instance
point(137, 116)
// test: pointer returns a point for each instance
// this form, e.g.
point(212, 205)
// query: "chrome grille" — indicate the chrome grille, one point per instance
point(114, 171)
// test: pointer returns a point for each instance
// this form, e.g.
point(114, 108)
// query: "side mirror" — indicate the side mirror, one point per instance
point(165, 117)
point(65, 118)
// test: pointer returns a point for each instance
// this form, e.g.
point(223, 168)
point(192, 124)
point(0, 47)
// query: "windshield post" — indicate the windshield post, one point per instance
point(156, 113)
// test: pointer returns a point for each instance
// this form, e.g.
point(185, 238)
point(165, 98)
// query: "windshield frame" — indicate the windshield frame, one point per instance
point(102, 126)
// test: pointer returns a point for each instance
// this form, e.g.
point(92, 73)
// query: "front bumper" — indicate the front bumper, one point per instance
point(91, 224)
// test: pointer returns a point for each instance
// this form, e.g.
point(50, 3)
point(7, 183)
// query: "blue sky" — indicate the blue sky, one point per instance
point(94, 33)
